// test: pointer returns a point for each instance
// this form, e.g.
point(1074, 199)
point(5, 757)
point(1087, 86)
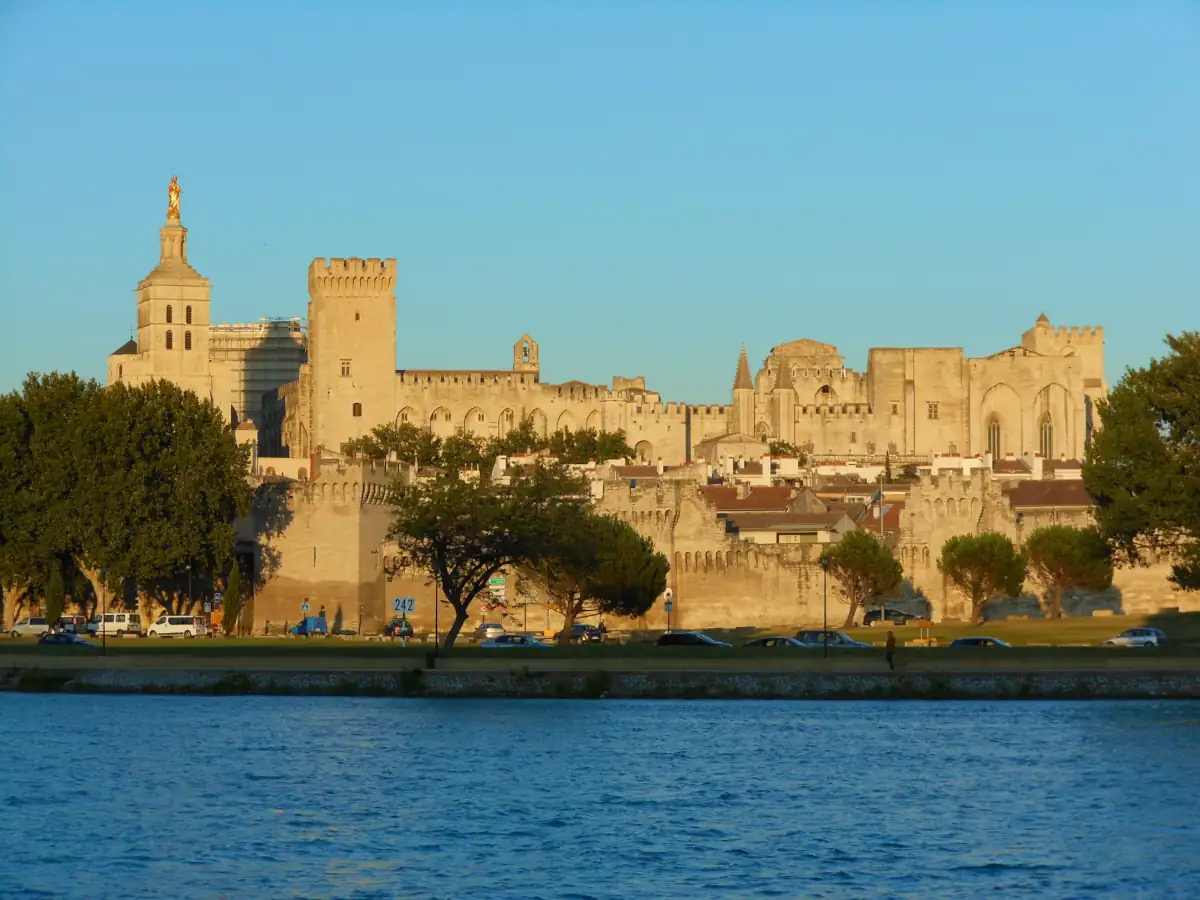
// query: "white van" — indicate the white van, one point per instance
point(178, 626)
point(115, 623)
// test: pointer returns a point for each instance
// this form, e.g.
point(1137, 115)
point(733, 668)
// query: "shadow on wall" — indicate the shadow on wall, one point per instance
point(338, 622)
point(272, 516)
point(912, 600)
point(1075, 604)
point(1178, 627)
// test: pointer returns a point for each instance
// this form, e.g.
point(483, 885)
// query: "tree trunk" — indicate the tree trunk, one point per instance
point(849, 623)
point(570, 610)
point(977, 603)
point(460, 619)
point(1056, 610)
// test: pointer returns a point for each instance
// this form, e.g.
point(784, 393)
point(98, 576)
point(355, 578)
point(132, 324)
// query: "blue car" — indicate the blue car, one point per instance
point(311, 625)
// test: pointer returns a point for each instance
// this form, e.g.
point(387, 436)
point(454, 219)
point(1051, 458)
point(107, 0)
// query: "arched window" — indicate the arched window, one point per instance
point(1047, 433)
point(994, 438)
point(170, 340)
point(168, 314)
point(187, 314)
point(120, 371)
point(356, 410)
point(187, 339)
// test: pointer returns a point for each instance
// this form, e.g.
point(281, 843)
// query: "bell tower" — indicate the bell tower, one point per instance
point(525, 355)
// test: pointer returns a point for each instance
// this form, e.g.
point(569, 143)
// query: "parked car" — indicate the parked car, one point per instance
point(785, 643)
point(487, 631)
point(819, 638)
point(311, 625)
point(891, 615)
point(65, 639)
point(119, 624)
point(30, 626)
point(178, 626)
point(1137, 637)
point(583, 634)
point(72, 624)
point(979, 642)
point(398, 627)
point(689, 639)
point(514, 640)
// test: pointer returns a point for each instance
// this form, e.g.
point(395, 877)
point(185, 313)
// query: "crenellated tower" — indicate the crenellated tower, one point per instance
point(352, 347)
point(1087, 344)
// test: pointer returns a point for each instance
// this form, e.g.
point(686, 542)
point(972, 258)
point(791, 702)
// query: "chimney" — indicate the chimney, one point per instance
point(743, 490)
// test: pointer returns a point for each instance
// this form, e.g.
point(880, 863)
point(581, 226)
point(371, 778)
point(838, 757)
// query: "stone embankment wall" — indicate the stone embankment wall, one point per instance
point(612, 685)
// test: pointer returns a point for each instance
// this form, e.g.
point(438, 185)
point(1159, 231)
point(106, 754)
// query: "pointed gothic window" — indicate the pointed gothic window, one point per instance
point(170, 340)
point(994, 438)
point(187, 340)
point(1047, 434)
point(168, 314)
point(187, 314)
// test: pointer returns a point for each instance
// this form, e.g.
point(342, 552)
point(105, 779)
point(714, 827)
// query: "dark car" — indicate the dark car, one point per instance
point(583, 634)
point(818, 638)
point(891, 615)
point(777, 643)
point(397, 627)
point(65, 639)
point(979, 642)
point(689, 639)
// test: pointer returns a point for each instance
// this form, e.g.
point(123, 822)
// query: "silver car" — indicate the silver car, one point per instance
point(818, 638)
point(30, 626)
point(1137, 637)
point(487, 631)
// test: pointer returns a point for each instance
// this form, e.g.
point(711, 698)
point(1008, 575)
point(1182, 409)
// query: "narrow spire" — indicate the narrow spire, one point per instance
point(742, 380)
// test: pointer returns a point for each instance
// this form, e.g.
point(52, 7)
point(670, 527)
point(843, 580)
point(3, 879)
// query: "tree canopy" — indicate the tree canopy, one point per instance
point(865, 569)
point(983, 566)
point(1143, 464)
point(463, 531)
point(419, 446)
point(786, 448)
point(1066, 558)
point(595, 565)
point(129, 486)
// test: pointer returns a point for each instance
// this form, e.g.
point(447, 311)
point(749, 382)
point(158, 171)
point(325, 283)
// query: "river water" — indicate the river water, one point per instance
point(283, 797)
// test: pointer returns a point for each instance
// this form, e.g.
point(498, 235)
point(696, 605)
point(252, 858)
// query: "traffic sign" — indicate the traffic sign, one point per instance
point(304, 607)
point(404, 604)
point(216, 601)
point(668, 605)
point(208, 607)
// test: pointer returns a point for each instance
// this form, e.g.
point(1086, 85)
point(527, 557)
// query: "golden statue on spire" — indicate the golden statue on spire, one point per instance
point(173, 192)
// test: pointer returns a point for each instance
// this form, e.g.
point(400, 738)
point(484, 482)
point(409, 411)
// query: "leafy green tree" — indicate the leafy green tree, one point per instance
point(56, 596)
point(1065, 558)
point(1143, 463)
point(595, 565)
point(865, 568)
point(785, 448)
point(407, 441)
point(580, 447)
point(983, 566)
point(232, 600)
point(463, 531)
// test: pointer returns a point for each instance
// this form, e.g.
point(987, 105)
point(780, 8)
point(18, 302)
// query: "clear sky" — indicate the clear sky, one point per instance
point(641, 186)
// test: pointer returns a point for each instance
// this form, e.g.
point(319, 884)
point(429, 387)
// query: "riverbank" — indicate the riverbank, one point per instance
point(599, 684)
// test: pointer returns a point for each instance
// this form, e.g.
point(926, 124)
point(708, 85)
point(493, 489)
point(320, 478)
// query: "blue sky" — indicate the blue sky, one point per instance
point(642, 186)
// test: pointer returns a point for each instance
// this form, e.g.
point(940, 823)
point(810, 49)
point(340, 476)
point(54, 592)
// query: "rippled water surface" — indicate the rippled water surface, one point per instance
point(149, 797)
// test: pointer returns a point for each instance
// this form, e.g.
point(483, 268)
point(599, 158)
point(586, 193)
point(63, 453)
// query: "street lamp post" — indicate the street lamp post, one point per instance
point(437, 635)
point(825, 614)
point(104, 614)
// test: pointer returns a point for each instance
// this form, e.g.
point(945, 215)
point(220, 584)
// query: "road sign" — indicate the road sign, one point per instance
point(404, 605)
point(668, 594)
point(217, 600)
point(304, 607)
point(208, 607)
point(668, 605)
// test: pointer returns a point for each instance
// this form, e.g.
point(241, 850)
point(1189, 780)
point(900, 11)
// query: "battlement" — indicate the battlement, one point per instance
point(1079, 334)
point(351, 277)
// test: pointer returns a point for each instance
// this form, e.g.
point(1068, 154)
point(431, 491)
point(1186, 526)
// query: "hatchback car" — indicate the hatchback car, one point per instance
point(891, 615)
point(65, 639)
point(820, 638)
point(778, 643)
point(583, 634)
point(508, 641)
point(1137, 637)
point(487, 631)
point(30, 626)
point(689, 639)
point(979, 642)
point(398, 627)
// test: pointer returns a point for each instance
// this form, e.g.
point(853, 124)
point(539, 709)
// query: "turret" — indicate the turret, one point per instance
point(784, 396)
point(743, 396)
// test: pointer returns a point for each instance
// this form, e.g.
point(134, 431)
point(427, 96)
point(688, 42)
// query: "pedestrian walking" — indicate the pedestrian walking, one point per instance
point(890, 651)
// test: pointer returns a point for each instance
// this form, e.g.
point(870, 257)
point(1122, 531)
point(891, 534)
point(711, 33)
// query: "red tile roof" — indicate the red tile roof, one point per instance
point(750, 468)
point(1009, 467)
point(1048, 494)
